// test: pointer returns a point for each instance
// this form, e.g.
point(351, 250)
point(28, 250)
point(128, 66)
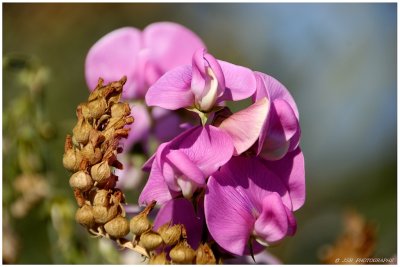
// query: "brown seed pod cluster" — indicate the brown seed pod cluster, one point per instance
point(91, 155)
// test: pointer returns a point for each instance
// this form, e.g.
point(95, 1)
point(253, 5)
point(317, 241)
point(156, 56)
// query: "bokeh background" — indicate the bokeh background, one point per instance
point(337, 60)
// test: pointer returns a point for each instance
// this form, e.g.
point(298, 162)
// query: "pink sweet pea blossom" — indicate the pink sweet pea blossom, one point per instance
point(202, 85)
point(182, 165)
point(247, 200)
point(143, 56)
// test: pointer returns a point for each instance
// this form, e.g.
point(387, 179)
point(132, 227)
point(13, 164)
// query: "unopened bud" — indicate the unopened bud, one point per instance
point(204, 255)
point(84, 215)
point(102, 214)
point(139, 224)
point(170, 235)
point(117, 227)
point(150, 240)
point(101, 171)
point(101, 198)
point(81, 180)
point(182, 253)
point(71, 160)
point(159, 259)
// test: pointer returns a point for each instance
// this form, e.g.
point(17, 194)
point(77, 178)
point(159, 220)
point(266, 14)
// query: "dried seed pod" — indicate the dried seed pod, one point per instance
point(84, 216)
point(204, 255)
point(182, 253)
point(117, 227)
point(91, 153)
point(101, 198)
point(81, 180)
point(102, 214)
point(170, 234)
point(159, 259)
point(100, 172)
point(72, 160)
point(139, 224)
point(81, 131)
point(150, 240)
point(95, 108)
point(120, 110)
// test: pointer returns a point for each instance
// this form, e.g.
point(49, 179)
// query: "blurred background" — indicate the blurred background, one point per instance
point(337, 60)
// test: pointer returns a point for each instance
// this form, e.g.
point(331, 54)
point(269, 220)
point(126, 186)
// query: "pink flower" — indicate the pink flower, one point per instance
point(143, 56)
point(252, 200)
point(202, 85)
point(183, 165)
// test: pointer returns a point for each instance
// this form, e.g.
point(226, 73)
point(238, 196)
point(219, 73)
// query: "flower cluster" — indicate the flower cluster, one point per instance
point(234, 180)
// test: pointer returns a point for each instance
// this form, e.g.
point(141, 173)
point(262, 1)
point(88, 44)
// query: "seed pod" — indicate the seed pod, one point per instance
point(120, 110)
point(94, 109)
point(204, 255)
point(182, 253)
point(101, 171)
point(81, 180)
point(81, 131)
point(92, 154)
point(102, 214)
point(117, 227)
point(150, 240)
point(102, 198)
point(84, 216)
point(159, 259)
point(71, 160)
point(139, 224)
point(170, 235)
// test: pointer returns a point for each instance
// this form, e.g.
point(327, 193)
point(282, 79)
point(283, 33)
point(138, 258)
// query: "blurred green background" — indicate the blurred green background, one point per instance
point(337, 60)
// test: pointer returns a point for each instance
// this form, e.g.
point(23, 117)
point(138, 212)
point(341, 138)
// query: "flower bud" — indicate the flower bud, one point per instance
point(150, 240)
point(84, 215)
point(117, 227)
point(120, 110)
point(81, 180)
point(170, 235)
point(182, 253)
point(101, 171)
point(71, 160)
point(102, 214)
point(101, 198)
point(139, 224)
point(204, 255)
point(159, 259)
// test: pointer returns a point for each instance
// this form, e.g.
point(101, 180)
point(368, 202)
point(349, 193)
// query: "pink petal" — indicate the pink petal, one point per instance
point(268, 86)
point(186, 166)
point(207, 147)
point(155, 188)
point(167, 124)
point(114, 56)
point(272, 224)
point(172, 90)
point(234, 200)
point(181, 211)
point(171, 44)
point(228, 218)
point(240, 82)
point(245, 126)
point(282, 126)
point(291, 171)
